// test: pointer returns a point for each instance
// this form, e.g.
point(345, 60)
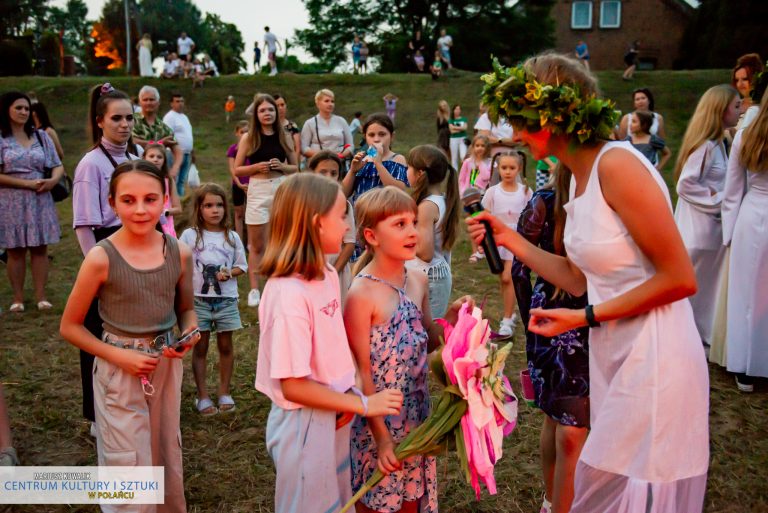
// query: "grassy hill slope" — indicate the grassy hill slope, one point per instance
point(227, 468)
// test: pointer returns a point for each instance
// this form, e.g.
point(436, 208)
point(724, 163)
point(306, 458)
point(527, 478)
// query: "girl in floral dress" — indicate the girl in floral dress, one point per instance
point(559, 365)
point(390, 330)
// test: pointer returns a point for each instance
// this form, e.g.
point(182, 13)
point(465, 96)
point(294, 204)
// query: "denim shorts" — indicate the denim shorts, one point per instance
point(217, 313)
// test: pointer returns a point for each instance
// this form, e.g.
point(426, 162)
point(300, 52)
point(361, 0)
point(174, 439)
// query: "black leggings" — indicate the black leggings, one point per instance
point(93, 324)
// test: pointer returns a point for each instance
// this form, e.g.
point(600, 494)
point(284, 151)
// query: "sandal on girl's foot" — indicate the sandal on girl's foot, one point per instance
point(44, 305)
point(226, 404)
point(546, 506)
point(205, 407)
point(476, 257)
point(16, 307)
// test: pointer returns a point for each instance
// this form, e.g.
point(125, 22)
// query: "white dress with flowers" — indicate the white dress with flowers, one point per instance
point(648, 448)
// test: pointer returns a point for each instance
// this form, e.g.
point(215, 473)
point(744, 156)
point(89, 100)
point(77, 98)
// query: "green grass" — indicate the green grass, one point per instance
point(227, 468)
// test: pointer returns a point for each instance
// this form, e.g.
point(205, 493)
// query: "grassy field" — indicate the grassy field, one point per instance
point(226, 465)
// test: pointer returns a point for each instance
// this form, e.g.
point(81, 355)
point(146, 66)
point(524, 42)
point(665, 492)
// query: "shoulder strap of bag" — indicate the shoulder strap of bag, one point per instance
point(317, 131)
point(110, 158)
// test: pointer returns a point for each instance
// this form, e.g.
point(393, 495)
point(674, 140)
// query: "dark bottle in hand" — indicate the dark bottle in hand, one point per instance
point(471, 200)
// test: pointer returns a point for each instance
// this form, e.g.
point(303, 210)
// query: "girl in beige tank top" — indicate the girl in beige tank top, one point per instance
point(143, 281)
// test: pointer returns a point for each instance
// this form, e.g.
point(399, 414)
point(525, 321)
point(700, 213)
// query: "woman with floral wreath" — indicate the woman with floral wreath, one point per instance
point(624, 250)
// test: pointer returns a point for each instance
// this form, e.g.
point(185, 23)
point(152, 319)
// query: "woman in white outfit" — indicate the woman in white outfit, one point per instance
point(700, 175)
point(745, 229)
point(145, 56)
point(648, 448)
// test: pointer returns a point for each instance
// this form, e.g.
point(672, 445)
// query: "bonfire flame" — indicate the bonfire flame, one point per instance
point(104, 46)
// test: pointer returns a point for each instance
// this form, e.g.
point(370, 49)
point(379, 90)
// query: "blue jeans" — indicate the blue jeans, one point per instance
point(181, 179)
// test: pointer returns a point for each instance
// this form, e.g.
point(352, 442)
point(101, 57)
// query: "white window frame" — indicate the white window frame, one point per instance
point(574, 6)
point(603, 5)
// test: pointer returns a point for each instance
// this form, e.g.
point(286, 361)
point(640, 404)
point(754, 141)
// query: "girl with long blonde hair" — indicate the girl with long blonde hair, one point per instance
point(305, 365)
point(442, 118)
point(700, 176)
point(745, 219)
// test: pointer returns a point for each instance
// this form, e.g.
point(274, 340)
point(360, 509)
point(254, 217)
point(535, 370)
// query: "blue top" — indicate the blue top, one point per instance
point(367, 177)
point(356, 49)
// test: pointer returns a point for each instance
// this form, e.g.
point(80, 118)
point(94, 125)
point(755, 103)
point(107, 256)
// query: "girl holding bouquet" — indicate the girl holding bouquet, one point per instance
point(390, 330)
point(624, 250)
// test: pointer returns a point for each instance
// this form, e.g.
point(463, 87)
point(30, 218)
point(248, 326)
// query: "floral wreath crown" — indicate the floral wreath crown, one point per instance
point(515, 94)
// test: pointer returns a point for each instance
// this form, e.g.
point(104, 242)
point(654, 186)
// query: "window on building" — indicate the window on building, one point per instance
point(610, 14)
point(581, 15)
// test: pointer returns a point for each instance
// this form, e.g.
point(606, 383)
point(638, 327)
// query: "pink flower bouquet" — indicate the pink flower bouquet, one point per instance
point(476, 408)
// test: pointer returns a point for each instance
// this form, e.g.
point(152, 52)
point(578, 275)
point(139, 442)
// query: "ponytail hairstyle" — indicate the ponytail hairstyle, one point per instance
point(706, 123)
point(138, 166)
point(100, 98)
point(436, 169)
point(645, 120)
point(197, 221)
point(373, 207)
point(521, 162)
point(294, 245)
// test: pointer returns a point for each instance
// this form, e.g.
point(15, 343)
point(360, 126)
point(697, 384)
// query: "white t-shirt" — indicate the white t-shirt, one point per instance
point(208, 257)
point(355, 126)
point(445, 42)
point(171, 67)
point(502, 129)
point(271, 41)
point(507, 206)
point(185, 45)
point(182, 129)
point(302, 335)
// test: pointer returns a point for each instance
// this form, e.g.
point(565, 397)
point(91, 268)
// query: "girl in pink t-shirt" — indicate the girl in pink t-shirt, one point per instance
point(476, 172)
point(155, 153)
point(390, 328)
point(305, 365)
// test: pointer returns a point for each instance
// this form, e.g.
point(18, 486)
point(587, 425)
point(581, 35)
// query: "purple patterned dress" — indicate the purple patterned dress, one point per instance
point(398, 360)
point(27, 219)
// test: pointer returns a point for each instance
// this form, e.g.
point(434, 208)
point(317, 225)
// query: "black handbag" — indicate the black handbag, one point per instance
point(63, 188)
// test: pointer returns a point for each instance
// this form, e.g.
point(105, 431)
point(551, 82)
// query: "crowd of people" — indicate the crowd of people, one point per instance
point(347, 251)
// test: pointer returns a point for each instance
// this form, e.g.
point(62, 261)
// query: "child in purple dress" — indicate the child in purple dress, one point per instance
point(390, 330)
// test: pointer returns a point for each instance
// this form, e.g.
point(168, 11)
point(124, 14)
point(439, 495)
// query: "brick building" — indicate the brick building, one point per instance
point(609, 27)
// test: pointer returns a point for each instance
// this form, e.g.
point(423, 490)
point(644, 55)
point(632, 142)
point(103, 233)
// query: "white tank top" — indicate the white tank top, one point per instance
point(440, 256)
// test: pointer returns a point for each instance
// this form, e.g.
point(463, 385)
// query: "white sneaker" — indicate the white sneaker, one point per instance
point(254, 297)
point(507, 326)
point(273, 72)
point(93, 432)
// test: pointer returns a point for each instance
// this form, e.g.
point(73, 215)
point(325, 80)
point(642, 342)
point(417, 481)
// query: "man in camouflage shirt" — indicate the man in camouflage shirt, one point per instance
point(149, 127)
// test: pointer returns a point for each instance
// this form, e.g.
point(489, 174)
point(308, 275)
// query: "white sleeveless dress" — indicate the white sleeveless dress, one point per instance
point(648, 448)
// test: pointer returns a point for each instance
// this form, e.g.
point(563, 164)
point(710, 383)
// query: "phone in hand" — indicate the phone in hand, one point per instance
point(184, 340)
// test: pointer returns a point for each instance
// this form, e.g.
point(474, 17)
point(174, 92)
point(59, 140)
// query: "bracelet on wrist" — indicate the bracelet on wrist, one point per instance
point(589, 313)
point(363, 399)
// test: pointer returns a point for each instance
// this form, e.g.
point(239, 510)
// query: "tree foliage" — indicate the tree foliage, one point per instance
point(164, 20)
point(18, 16)
point(479, 28)
point(722, 30)
point(72, 22)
